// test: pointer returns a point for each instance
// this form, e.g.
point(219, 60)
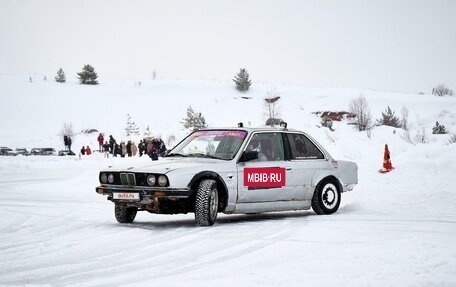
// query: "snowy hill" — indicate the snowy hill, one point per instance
point(394, 229)
point(34, 113)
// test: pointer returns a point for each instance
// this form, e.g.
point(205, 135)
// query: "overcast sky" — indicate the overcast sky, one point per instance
point(385, 44)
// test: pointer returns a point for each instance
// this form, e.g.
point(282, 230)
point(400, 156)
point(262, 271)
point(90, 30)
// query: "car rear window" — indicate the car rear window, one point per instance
point(303, 148)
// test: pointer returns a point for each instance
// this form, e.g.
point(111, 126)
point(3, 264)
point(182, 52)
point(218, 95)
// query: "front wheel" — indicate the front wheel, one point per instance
point(206, 203)
point(125, 214)
point(326, 198)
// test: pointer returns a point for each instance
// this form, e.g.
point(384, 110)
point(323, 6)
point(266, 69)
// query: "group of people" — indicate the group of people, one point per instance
point(86, 150)
point(153, 147)
point(67, 142)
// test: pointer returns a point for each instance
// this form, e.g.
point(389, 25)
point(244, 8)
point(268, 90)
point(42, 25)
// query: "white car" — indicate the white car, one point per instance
point(7, 151)
point(42, 151)
point(234, 171)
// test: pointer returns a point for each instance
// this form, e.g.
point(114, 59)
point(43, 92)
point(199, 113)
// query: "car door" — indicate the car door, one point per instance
point(265, 179)
point(306, 159)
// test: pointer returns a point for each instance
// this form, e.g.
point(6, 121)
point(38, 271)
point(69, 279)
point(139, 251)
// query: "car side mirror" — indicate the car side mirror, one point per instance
point(248, 156)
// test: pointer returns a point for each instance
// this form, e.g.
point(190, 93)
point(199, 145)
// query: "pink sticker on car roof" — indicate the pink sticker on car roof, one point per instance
point(237, 134)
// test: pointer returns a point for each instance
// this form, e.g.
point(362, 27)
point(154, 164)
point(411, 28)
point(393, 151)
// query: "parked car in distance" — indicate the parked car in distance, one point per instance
point(66, 152)
point(234, 171)
point(42, 151)
point(22, 151)
point(7, 151)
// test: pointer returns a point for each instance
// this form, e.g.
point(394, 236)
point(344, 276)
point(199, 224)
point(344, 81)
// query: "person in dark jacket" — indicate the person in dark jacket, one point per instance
point(129, 148)
point(69, 144)
point(149, 148)
point(123, 149)
point(117, 150)
point(112, 143)
point(141, 147)
point(106, 149)
point(65, 142)
point(155, 149)
point(162, 151)
point(83, 150)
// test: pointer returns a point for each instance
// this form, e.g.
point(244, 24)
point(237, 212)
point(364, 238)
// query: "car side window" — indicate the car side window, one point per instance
point(302, 148)
point(268, 145)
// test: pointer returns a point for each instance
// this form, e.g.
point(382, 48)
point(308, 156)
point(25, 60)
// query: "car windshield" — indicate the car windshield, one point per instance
point(218, 144)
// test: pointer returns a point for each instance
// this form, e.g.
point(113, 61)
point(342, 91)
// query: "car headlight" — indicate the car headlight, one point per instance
point(103, 178)
point(111, 178)
point(162, 180)
point(151, 180)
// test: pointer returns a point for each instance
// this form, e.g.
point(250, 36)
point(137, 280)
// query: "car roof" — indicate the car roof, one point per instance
point(251, 129)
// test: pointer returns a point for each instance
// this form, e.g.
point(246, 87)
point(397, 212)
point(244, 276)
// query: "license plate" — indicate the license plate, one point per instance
point(125, 196)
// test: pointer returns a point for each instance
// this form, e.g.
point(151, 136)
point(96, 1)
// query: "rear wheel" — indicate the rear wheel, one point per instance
point(125, 214)
point(206, 203)
point(326, 198)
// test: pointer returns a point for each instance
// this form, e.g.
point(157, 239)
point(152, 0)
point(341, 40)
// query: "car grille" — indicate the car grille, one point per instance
point(128, 179)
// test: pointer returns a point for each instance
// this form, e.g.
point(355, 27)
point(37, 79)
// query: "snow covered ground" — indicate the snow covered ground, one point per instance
point(395, 229)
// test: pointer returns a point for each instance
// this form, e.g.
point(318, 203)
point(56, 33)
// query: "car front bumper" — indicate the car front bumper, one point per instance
point(146, 194)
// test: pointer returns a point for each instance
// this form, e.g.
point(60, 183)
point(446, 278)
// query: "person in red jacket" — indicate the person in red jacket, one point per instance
point(88, 150)
point(100, 142)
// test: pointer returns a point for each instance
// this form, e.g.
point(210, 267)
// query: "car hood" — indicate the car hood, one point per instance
point(165, 165)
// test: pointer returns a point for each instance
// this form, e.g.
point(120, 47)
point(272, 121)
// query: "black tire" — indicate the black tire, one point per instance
point(206, 203)
point(326, 198)
point(125, 214)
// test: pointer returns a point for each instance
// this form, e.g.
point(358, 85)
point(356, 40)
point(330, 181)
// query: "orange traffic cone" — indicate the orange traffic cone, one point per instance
point(387, 166)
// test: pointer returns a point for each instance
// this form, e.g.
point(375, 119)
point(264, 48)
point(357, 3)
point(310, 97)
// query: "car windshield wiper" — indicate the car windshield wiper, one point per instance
point(176, 154)
point(203, 155)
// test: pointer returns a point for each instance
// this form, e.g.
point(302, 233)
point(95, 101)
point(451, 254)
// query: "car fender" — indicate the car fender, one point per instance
point(226, 183)
point(322, 174)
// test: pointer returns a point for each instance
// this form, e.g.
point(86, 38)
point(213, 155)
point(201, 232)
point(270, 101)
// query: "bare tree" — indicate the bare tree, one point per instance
point(452, 139)
point(404, 119)
point(170, 141)
point(441, 90)
point(421, 136)
point(407, 137)
point(361, 109)
point(67, 130)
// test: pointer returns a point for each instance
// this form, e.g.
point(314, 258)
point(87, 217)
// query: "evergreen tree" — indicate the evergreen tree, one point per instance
point(147, 132)
point(60, 78)
point(88, 76)
point(194, 120)
point(439, 129)
point(242, 81)
point(389, 118)
point(132, 128)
